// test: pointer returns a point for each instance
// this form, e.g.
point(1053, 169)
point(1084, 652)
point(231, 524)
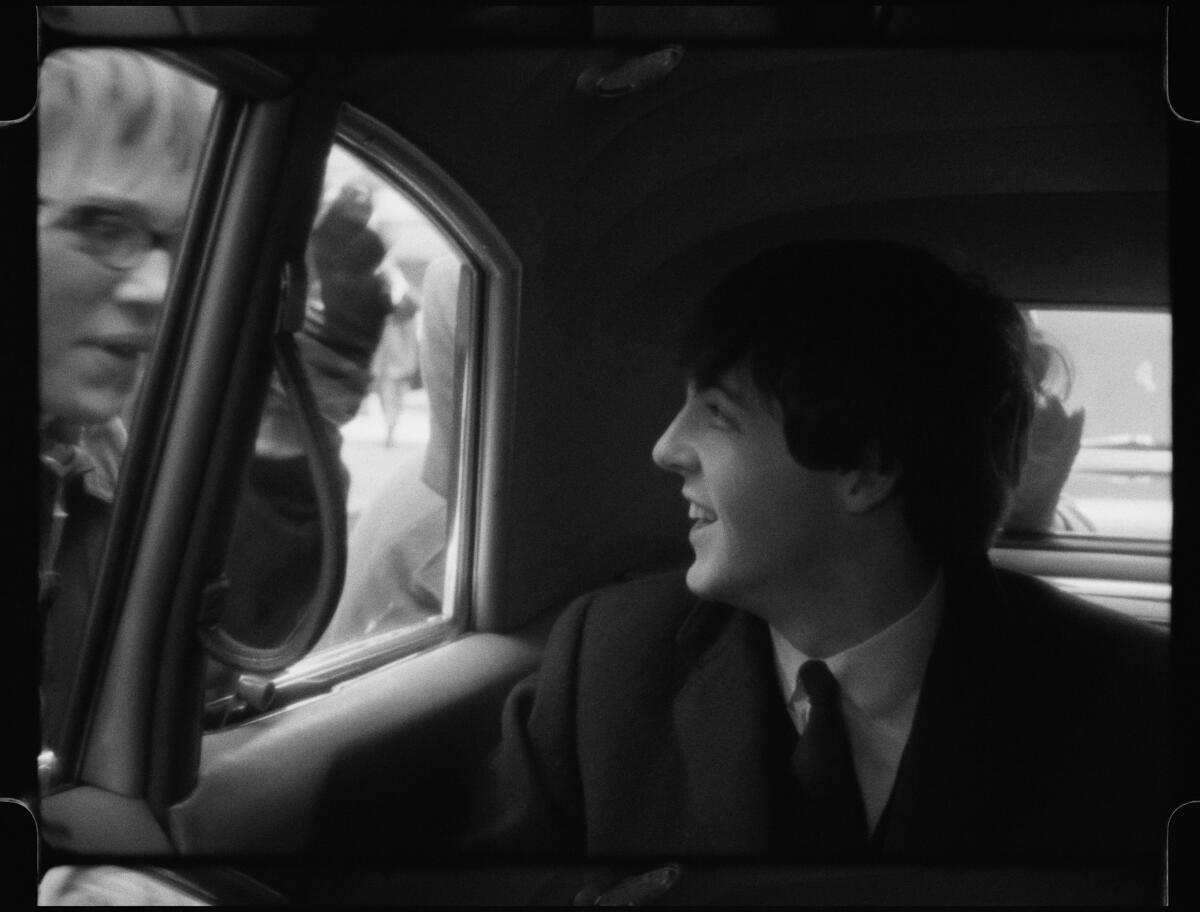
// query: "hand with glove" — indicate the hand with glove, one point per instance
point(347, 306)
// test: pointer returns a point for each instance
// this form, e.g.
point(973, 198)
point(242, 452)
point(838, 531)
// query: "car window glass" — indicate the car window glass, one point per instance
point(1100, 449)
point(399, 449)
point(378, 346)
point(120, 140)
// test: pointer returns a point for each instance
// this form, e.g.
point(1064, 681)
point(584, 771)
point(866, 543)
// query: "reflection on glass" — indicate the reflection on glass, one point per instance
point(396, 564)
point(1103, 429)
point(378, 348)
point(399, 449)
point(120, 138)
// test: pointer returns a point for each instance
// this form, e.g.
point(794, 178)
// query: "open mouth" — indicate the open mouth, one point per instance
point(700, 516)
point(122, 350)
point(126, 349)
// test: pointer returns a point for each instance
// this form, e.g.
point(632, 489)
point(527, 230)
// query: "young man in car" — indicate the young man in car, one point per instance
point(841, 675)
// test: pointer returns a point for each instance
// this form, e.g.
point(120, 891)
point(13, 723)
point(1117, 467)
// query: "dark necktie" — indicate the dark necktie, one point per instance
point(833, 821)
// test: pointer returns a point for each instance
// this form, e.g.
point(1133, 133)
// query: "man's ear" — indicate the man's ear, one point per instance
point(868, 485)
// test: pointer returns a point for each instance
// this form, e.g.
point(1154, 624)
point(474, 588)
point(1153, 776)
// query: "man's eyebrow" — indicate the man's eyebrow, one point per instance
point(723, 386)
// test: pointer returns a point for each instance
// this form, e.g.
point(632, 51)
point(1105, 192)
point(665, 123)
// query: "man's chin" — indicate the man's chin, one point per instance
point(701, 583)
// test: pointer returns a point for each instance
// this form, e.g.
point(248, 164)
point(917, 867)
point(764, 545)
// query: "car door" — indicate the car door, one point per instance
point(244, 219)
point(155, 759)
point(400, 698)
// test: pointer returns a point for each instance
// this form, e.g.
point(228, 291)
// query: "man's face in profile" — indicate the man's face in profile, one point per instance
point(761, 521)
point(106, 222)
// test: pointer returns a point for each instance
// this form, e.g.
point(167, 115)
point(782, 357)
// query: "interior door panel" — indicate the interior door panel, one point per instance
point(371, 767)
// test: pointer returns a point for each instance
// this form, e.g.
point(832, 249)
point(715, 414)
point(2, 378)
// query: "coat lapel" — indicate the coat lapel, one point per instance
point(729, 720)
point(954, 756)
point(734, 733)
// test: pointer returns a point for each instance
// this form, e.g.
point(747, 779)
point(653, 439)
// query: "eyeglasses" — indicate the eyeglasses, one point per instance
point(115, 238)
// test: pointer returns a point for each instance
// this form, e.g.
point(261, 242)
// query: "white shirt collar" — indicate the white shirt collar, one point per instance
point(877, 675)
point(880, 683)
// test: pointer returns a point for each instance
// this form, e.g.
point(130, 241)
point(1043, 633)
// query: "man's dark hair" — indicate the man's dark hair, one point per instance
point(876, 348)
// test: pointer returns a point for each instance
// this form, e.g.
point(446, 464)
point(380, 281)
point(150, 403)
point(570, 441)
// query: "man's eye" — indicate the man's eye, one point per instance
point(102, 224)
point(109, 226)
point(717, 415)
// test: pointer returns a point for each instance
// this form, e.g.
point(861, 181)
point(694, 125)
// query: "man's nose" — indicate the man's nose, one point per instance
point(146, 284)
point(671, 451)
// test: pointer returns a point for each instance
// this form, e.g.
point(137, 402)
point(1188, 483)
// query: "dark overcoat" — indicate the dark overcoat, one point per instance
point(655, 727)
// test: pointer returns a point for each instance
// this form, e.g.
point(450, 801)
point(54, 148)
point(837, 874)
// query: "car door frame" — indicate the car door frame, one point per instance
point(254, 201)
point(422, 686)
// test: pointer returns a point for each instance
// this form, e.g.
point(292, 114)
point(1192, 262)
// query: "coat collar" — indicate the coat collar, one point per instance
point(955, 757)
point(730, 722)
point(733, 728)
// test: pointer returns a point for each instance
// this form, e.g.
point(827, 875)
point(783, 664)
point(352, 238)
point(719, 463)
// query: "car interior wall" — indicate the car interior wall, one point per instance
point(984, 145)
point(1006, 152)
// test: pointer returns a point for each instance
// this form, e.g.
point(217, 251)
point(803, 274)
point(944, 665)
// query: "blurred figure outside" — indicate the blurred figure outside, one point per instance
point(396, 560)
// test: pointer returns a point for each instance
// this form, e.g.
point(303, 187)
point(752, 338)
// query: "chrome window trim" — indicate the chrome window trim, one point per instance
point(1128, 589)
point(1096, 559)
point(1027, 303)
point(319, 674)
point(1081, 544)
point(473, 550)
point(1149, 602)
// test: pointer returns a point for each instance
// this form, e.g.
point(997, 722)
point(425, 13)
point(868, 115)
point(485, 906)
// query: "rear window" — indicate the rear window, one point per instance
point(1100, 448)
